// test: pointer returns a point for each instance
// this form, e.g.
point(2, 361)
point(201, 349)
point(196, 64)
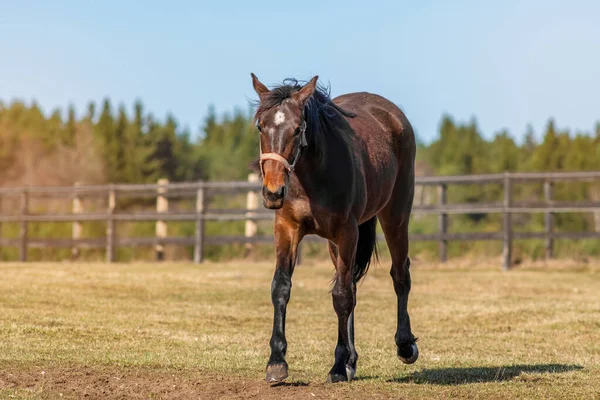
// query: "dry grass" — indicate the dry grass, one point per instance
point(530, 333)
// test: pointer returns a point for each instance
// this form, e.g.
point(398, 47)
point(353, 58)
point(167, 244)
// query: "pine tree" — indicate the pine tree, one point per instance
point(547, 156)
point(504, 154)
point(104, 130)
point(91, 111)
point(117, 144)
point(227, 147)
point(70, 130)
point(139, 166)
point(48, 132)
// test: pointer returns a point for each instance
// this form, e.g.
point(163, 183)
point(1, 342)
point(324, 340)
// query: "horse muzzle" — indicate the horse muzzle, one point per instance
point(274, 200)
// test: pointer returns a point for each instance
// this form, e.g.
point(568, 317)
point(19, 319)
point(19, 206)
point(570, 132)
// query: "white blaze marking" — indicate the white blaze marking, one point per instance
point(272, 134)
point(279, 118)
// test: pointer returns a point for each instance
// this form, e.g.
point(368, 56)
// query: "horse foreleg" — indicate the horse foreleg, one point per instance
point(286, 245)
point(344, 300)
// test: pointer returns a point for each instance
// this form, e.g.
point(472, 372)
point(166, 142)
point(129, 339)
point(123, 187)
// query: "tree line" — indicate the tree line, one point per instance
point(132, 145)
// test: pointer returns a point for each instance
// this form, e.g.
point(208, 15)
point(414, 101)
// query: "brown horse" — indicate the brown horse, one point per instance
point(332, 168)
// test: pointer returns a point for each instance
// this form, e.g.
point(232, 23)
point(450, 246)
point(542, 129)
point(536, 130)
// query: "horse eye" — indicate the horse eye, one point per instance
point(297, 131)
point(258, 127)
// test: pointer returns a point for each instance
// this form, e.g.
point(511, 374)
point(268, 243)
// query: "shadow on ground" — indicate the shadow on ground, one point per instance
point(290, 384)
point(455, 376)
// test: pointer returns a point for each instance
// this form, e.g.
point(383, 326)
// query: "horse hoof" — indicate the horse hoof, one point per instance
point(411, 358)
point(276, 373)
point(334, 378)
point(350, 372)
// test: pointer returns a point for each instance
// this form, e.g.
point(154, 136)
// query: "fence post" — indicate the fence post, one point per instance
point(77, 229)
point(251, 206)
point(443, 222)
point(24, 228)
point(299, 258)
point(199, 238)
point(162, 206)
point(507, 236)
point(110, 225)
point(548, 220)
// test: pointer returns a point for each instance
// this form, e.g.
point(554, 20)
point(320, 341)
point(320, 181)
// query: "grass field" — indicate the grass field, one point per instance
point(184, 331)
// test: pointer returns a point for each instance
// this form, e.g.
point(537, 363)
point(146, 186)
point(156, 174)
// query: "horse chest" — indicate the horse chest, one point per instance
point(313, 218)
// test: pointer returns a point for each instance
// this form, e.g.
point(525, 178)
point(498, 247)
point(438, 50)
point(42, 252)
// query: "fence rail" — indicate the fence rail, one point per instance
point(163, 191)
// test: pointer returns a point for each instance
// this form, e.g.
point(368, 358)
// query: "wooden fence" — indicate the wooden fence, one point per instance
point(163, 190)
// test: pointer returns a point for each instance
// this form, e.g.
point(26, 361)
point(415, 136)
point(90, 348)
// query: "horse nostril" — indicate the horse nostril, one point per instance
point(278, 194)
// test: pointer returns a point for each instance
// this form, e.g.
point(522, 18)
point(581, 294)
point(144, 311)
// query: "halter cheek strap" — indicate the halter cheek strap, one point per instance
point(279, 158)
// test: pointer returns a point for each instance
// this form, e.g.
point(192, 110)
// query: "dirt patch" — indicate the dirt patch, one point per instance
point(127, 383)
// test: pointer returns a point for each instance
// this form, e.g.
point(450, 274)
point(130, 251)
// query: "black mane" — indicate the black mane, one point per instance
point(323, 117)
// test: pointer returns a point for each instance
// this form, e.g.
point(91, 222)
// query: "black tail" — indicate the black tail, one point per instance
point(367, 245)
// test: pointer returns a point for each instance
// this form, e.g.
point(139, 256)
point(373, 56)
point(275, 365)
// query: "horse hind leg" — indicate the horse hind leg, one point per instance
point(351, 364)
point(408, 352)
point(396, 234)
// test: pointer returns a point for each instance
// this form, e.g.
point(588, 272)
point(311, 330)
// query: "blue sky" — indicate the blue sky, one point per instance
point(507, 64)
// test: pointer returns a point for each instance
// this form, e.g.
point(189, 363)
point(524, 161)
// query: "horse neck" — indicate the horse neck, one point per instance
point(321, 177)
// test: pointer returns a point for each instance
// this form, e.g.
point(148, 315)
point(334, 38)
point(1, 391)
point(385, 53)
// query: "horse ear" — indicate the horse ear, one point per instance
point(303, 94)
point(258, 86)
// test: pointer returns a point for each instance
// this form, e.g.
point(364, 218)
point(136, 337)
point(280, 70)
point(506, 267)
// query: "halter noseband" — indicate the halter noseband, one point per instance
point(279, 158)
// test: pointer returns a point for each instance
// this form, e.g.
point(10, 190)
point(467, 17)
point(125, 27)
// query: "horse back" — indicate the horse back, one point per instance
point(385, 144)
